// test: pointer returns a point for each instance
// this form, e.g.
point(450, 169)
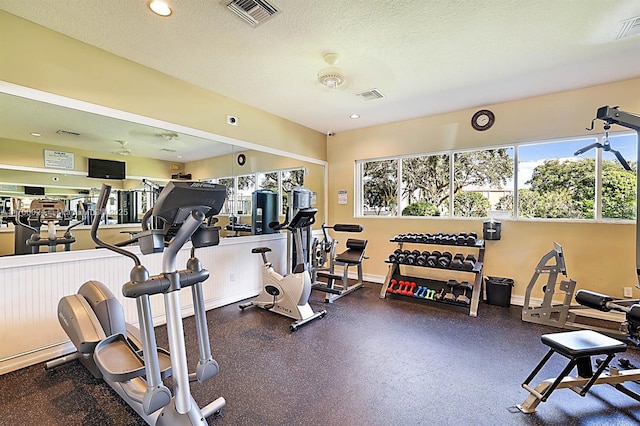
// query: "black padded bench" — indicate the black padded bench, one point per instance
point(354, 255)
point(578, 347)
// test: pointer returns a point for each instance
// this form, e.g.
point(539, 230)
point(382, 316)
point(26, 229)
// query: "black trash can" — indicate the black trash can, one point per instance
point(499, 291)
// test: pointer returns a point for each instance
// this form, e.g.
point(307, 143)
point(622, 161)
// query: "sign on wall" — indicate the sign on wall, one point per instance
point(59, 159)
point(342, 196)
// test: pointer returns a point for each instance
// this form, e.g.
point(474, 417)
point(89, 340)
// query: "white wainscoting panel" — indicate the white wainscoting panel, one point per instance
point(32, 285)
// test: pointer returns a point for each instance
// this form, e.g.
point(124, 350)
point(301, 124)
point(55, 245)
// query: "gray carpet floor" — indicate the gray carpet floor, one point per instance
point(368, 362)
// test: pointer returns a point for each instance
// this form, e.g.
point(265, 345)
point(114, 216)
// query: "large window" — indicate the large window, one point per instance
point(618, 184)
point(554, 183)
point(425, 185)
point(246, 186)
point(562, 179)
point(380, 188)
point(481, 181)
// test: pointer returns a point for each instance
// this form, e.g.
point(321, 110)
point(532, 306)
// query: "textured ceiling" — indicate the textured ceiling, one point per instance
point(425, 56)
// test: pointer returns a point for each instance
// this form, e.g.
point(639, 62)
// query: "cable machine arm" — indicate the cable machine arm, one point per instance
point(612, 115)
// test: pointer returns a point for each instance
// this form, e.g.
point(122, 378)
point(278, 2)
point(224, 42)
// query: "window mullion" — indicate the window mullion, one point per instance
point(597, 214)
point(399, 187)
point(516, 161)
point(451, 183)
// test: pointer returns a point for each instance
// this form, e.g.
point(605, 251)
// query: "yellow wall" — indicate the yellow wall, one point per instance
point(36, 57)
point(599, 256)
point(28, 154)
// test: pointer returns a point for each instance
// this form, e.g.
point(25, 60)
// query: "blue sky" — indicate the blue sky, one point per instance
point(623, 143)
point(530, 156)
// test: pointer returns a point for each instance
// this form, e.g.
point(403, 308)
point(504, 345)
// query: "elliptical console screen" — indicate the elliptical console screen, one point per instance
point(178, 199)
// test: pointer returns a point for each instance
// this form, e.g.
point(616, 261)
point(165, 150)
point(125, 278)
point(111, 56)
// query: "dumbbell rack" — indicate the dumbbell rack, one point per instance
point(395, 273)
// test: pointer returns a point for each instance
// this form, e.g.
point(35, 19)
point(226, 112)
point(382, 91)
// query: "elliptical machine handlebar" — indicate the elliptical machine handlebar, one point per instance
point(103, 199)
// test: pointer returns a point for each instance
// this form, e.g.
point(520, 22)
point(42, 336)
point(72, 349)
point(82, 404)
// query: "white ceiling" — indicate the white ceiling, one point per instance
point(426, 56)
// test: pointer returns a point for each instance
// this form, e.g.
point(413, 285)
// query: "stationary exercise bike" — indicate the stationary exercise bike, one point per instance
point(289, 295)
point(127, 358)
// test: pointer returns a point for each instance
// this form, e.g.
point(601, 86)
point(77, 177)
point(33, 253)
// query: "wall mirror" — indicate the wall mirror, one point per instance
point(47, 146)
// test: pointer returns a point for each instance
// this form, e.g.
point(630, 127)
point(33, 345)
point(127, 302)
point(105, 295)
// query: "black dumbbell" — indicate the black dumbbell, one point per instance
point(430, 239)
point(461, 239)
point(471, 239)
point(411, 257)
point(469, 262)
point(433, 259)
point(464, 297)
point(456, 262)
point(449, 295)
point(393, 257)
point(402, 257)
point(422, 259)
point(445, 259)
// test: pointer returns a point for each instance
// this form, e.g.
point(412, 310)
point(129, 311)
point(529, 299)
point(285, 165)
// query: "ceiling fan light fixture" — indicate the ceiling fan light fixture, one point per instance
point(331, 77)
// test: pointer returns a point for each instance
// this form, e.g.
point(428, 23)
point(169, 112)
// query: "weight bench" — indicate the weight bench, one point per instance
point(353, 256)
point(580, 346)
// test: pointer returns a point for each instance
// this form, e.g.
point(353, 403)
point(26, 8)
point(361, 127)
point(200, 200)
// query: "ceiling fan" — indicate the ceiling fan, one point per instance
point(123, 150)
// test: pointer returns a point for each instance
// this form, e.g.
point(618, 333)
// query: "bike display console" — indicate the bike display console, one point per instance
point(403, 262)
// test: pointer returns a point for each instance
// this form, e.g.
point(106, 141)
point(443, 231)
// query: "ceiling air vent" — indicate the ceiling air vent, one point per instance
point(67, 133)
point(630, 27)
point(371, 95)
point(253, 12)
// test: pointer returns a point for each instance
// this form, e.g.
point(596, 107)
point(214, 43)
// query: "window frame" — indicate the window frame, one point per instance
point(359, 170)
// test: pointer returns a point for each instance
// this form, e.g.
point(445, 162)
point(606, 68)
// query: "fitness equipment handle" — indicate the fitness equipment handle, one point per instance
point(103, 198)
point(345, 227)
point(160, 283)
point(594, 300)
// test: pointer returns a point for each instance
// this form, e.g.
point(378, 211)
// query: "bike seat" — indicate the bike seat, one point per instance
point(260, 250)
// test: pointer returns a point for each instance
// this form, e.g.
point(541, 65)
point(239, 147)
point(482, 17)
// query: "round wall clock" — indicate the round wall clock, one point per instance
point(483, 120)
point(242, 159)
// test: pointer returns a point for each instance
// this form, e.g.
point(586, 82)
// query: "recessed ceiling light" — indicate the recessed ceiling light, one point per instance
point(160, 7)
point(179, 156)
point(36, 134)
point(354, 116)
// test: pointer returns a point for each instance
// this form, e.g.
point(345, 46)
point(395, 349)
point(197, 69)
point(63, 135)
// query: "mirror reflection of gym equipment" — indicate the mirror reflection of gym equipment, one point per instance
point(580, 346)
point(43, 213)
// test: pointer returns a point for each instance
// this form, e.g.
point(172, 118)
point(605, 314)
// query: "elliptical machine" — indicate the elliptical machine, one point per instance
point(43, 212)
point(128, 359)
point(289, 295)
